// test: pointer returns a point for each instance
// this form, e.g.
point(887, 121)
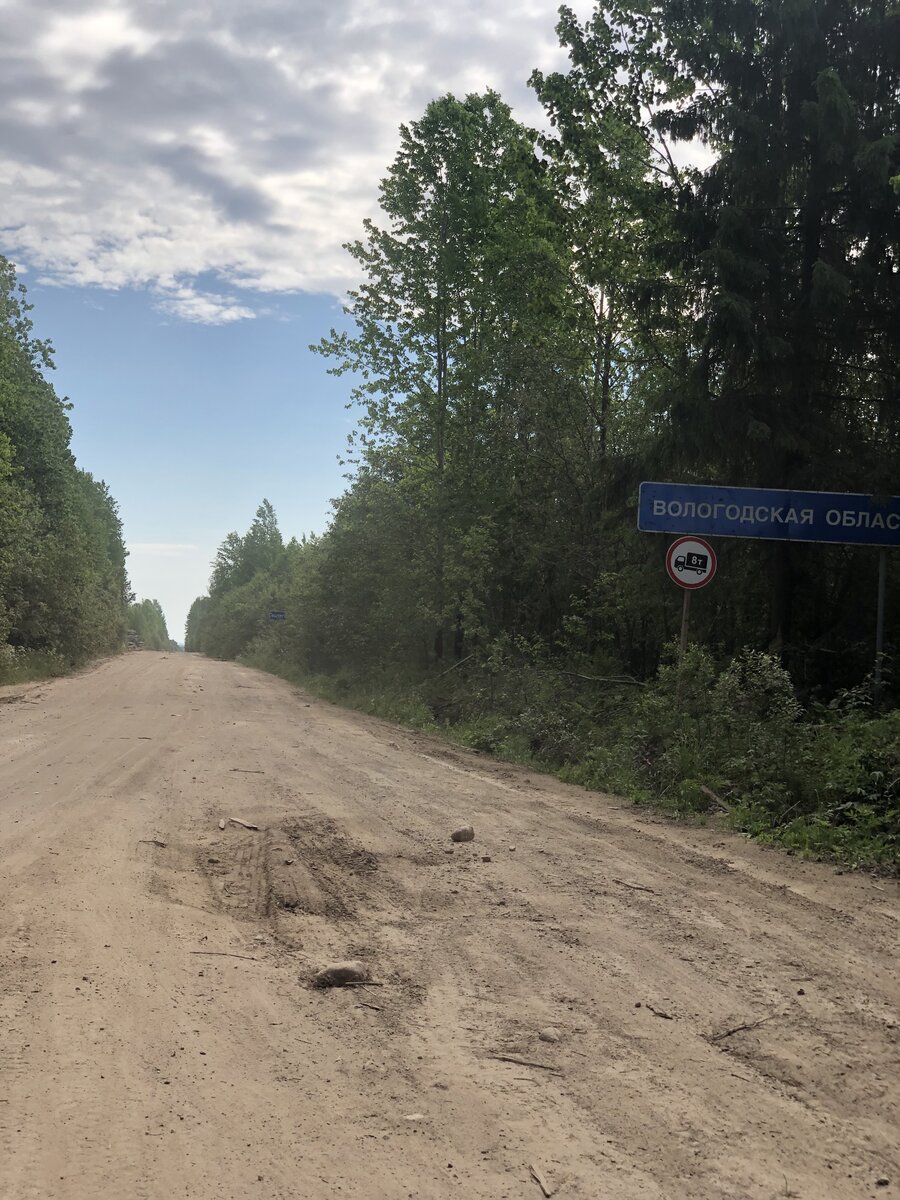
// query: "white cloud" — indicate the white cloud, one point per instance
point(74, 45)
point(204, 308)
point(149, 142)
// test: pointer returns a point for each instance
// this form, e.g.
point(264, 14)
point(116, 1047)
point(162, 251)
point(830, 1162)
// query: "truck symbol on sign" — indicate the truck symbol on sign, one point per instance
point(692, 562)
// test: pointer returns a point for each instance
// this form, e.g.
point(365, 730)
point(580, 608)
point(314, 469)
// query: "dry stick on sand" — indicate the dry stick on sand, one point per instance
point(243, 824)
point(224, 954)
point(660, 1012)
point(525, 1062)
point(635, 887)
point(246, 771)
point(739, 1028)
point(540, 1181)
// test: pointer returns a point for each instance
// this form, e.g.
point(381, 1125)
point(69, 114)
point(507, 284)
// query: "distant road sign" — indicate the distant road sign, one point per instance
point(848, 518)
point(277, 616)
point(691, 563)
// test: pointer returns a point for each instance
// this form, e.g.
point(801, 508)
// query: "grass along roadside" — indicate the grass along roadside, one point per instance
point(18, 665)
point(700, 741)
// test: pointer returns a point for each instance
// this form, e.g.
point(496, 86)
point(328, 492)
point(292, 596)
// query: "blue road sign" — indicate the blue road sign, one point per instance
point(277, 616)
point(842, 517)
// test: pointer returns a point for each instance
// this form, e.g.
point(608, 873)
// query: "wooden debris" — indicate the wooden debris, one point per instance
point(246, 771)
point(660, 1012)
point(540, 1181)
point(243, 824)
point(152, 842)
point(635, 887)
point(224, 954)
point(740, 1028)
point(711, 795)
point(525, 1062)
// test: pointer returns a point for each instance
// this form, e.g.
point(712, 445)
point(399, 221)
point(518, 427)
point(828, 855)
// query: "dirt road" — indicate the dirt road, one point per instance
point(726, 1016)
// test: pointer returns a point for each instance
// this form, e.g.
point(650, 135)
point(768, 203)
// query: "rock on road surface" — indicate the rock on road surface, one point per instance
point(160, 1038)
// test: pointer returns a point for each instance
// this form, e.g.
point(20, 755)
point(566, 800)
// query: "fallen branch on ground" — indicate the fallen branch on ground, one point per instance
point(627, 679)
point(708, 792)
point(540, 1181)
point(525, 1062)
point(455, 665)
point(740, 1028)
point(224, 954)
point(635, 887)
point(660, 1012)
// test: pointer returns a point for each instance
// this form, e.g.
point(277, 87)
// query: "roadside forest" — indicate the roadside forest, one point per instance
point(691, 273)
point(147, 627)
point(64, 591)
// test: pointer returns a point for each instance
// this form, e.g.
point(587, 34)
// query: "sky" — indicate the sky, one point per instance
point(177, 180)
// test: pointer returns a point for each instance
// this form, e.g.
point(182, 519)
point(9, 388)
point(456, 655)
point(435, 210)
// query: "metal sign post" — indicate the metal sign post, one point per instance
point(691, 563)
point(879, 627)
point(685, 622)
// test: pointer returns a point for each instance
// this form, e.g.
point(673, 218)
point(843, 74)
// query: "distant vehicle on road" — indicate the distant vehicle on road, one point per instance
point(692, 562)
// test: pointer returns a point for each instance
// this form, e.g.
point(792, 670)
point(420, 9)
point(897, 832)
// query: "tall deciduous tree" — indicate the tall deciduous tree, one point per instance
point(459, 292)
point(63, 585)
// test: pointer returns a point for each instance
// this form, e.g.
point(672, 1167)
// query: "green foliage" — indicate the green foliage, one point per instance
point(247, 583)
point(147, 626)
point(702, 739)
point(18, 665)
point(854, 771)
point(698, 733)
point(63, 584)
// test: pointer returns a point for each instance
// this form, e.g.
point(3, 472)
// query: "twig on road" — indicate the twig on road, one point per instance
point(740, 1028)
point(540, 1181)
point(660, 1012)
point(243, 824)
point(525, 1062)
point(225, 954)
point(635, 887)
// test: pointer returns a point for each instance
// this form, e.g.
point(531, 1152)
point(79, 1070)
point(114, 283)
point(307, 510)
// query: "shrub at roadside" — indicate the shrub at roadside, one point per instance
point(736, 740)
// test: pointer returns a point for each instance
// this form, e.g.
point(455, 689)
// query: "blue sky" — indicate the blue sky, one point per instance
point(191, 425)
point(177, 178)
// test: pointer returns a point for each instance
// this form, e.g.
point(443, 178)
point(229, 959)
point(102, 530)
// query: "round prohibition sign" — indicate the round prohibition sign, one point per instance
point(691, 562)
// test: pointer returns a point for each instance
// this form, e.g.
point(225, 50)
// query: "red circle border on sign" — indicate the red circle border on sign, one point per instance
point(713, 558)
